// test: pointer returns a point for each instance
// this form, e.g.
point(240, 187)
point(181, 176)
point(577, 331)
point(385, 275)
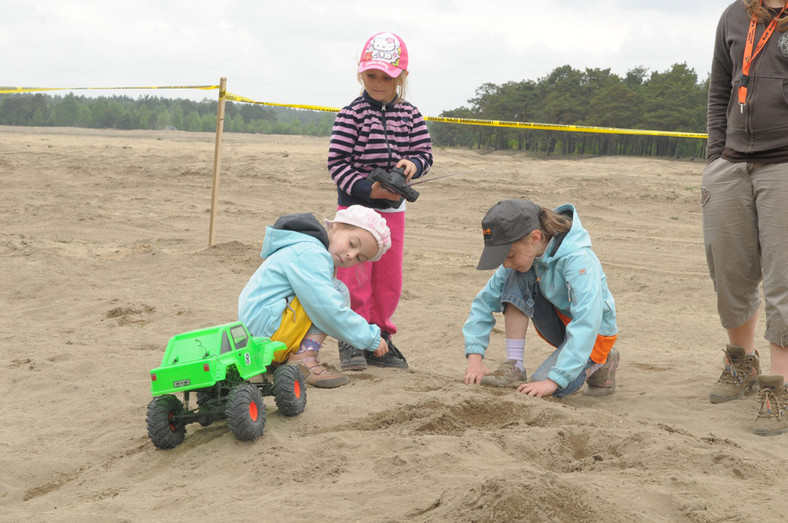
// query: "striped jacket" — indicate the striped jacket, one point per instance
point(368, 134)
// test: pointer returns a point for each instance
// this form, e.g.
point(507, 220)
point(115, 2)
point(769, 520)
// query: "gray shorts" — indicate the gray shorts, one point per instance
point(745, 231)
point(521, 289)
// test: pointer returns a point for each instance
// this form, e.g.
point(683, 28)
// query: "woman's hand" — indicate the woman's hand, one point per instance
point(539, 388)
point(475, 369)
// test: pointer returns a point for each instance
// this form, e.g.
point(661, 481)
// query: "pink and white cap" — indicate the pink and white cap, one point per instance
point(385, 52)
point(368, 220)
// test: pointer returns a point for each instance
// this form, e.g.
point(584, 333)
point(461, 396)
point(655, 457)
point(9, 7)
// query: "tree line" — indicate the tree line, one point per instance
point(156, 113)
point(673, 100)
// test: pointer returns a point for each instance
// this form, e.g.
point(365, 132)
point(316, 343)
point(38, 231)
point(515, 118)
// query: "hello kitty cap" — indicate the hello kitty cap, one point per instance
point(370, 221)
point(385, 52)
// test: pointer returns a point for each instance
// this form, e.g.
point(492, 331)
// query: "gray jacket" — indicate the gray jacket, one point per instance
point(763, 125)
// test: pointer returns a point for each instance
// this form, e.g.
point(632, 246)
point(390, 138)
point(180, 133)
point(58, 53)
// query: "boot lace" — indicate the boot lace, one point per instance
point(772, 404)
point(735, 374)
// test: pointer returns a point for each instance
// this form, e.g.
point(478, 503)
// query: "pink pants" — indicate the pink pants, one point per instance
point(375, 287)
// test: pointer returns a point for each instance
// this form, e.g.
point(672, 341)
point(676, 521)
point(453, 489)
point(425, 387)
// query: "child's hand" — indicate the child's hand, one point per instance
point(379, 193)
point(408, 167)
point(539, 388)
point(382, 349)
point(475, 369)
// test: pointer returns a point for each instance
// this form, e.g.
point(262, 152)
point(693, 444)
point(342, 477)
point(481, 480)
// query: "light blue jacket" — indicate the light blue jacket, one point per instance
point(572, 279)
point(297, 264)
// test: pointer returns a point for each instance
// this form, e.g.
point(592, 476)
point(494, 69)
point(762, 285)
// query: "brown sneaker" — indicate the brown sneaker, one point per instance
point(507, 375)
point(316, 374)
point(738, 377)
point(772, 418)
point(603, 381)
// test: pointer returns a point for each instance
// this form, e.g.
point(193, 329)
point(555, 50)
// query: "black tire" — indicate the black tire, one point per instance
point(289, 390)
point(245, 412)
point(165, 429)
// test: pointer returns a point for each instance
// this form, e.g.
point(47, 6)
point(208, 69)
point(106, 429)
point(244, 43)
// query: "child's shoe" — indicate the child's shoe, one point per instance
point(351, 358)
point(506, 375)
point(603, 381)
point(738, 377)
point(316, 374)
point(772, 418)
point(393, 358)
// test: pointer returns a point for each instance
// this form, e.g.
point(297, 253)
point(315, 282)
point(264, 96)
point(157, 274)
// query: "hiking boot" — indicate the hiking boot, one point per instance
point(603, 381)
point(772, 418)
point(316, 374)
point(351, 358)
point(393, 358)
point(738, 377)
point(506, 375)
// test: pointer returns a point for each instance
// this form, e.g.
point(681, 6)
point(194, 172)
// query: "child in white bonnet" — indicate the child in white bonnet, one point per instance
point(294, 298)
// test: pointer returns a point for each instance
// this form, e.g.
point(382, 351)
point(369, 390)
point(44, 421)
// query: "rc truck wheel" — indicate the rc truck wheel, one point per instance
point(289, 390)
point(165, 429)
point(245, 411)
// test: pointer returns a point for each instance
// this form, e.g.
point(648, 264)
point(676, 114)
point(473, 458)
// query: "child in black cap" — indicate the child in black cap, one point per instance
point(547, 275)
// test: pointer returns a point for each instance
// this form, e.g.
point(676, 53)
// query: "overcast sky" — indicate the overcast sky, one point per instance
point(305, 52)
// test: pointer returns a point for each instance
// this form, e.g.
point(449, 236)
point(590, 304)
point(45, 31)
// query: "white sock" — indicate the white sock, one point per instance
point(515, 350)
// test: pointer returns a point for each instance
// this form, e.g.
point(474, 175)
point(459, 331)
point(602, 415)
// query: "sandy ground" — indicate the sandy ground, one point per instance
point(104, 252)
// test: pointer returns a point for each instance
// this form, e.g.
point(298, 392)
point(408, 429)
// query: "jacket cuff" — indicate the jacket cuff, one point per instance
point(554, 376)
point(474, 350)
point(362, 189)
point(419, 167)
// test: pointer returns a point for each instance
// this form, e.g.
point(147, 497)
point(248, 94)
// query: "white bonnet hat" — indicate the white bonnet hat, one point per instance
point(368, 220)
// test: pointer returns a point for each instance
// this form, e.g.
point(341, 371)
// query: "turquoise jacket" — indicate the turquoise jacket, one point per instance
point(572, 279)
point(298, 264)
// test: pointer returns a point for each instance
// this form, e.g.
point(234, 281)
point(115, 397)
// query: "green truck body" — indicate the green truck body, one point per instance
point(200, 358)
point(218, 365)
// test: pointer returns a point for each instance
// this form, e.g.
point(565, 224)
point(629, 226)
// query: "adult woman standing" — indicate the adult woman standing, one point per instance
point(744, 196)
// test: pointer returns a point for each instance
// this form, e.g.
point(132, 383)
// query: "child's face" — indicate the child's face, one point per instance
point(350, 245)
point(379, 85)
point(523, 251)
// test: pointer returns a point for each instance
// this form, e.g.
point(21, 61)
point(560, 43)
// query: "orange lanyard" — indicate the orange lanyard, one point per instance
point(749, 55)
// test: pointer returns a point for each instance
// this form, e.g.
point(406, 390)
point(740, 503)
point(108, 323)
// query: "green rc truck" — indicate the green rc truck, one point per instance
point(217, 363)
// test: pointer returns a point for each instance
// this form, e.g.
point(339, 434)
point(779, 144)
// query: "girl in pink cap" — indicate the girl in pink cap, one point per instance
point(379, 129)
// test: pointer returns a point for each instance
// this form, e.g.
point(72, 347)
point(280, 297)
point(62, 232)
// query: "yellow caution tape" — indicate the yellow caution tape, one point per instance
point(498, 123)
point(462, 121)
point(236, 98)
point(561, 127)
point(33, 89)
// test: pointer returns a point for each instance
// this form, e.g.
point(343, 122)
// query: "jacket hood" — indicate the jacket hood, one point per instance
point(576, 238)
point(293, 228)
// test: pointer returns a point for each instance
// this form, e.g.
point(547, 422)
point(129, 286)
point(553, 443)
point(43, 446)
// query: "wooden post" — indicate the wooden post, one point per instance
point(217, 157)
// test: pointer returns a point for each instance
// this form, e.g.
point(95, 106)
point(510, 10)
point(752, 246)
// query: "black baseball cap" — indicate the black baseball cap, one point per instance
point(506, 222)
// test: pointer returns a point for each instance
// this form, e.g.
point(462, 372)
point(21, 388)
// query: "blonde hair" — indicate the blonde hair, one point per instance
point(553, 223)
point(754, 8)
point(400, 84)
